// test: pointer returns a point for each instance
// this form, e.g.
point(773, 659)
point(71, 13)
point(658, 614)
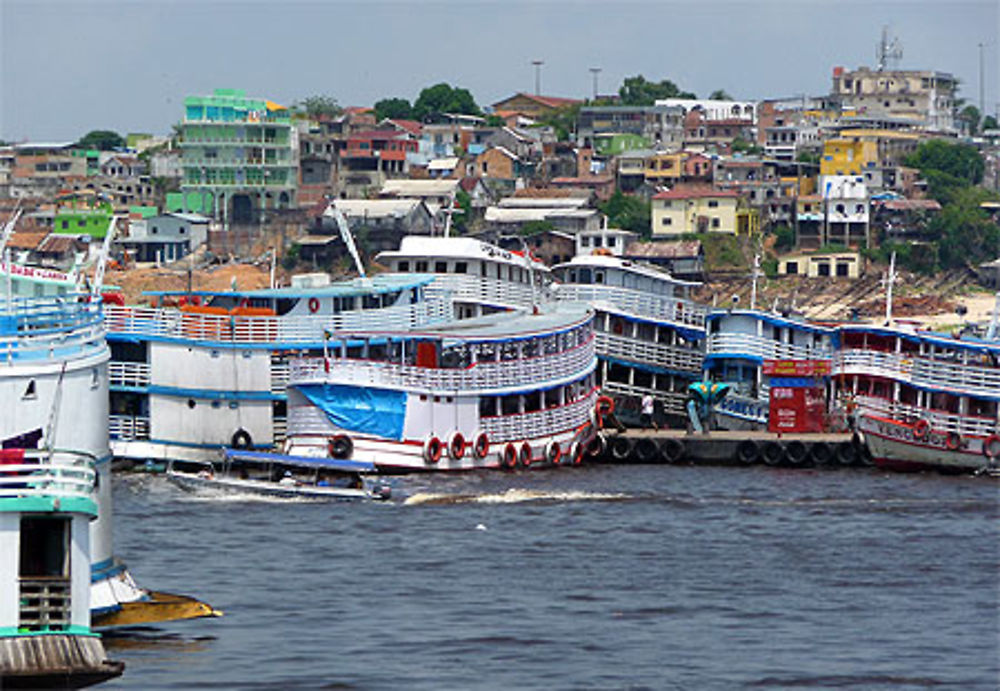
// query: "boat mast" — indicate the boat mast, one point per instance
point(102, 259)
point(753, 277)
point(889, 279)
point(345, 234)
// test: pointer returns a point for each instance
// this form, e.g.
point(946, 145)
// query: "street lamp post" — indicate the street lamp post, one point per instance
point(595, 71)
point(538, 76)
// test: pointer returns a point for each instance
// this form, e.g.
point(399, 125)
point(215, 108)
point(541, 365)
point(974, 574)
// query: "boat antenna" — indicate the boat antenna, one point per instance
point(345, 234)
point(8, 228)
point(448, 214)
point(753, 277)
point(102, 258)
point(888, 281)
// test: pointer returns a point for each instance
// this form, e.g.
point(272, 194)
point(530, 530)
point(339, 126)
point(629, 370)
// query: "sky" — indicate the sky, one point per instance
point(68, 67)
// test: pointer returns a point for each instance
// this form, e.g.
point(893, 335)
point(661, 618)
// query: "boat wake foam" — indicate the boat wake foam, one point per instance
point(511, 496)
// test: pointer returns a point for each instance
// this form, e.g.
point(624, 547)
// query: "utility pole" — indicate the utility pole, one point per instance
point(538, 76)
point(982, 101)
point(595, 71)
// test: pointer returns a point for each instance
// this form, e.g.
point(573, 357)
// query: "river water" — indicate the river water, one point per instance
point(598, 577)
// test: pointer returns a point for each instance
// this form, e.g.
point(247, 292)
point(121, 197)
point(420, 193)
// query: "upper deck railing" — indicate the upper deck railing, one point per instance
point(487, 291)
point(42, 473)
point(926, 372)
point(47, 328)
point(530, 372)
point(636, 303)
point(764, 348)
point(939, 420)
point(663, 355)
point(173, 323)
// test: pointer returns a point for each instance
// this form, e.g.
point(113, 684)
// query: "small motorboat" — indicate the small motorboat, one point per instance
point(278, 475)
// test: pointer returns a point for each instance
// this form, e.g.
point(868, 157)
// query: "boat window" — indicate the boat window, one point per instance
point(529, 348)
point(403, 265)
point(216, 405)
point(487, 406)
point(461, 267)
point(484, 268)
point(552, 398)
point(509, 351)
point(510, 405)
point(440, 267)
point(598, 277)
point(233, 405)
point(44, 547)
point(191, 403)
point(487, 352)
point(421, 267)
point(532, 401)
point(370, 302)
point(585, 276)
point(572, 276)
point(551, 344)
point(30, 392)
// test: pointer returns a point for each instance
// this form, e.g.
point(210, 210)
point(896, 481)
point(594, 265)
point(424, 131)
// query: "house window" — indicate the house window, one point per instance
point(792, 268)
point(611, 242)
point(182, 230)
point(713, 203)
point(585, 242)
point(65, 224)
point(715, 223)
point(667, 221)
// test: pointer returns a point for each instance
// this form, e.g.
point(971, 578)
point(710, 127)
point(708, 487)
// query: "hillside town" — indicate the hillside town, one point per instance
point(886, 161)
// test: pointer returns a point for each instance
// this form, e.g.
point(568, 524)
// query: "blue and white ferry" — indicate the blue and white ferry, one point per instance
point(511, 389)
point(649, 333)
point(201, 370)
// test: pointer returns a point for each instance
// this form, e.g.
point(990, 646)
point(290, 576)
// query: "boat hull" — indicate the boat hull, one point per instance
point(196, 483)
point(899, 446)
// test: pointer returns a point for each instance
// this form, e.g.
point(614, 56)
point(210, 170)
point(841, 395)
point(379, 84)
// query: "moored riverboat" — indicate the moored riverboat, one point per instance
point(513, 389)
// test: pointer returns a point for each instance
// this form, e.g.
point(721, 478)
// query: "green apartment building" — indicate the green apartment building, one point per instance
point(240, 157)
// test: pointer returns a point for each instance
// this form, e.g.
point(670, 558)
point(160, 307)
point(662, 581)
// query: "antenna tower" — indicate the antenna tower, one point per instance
point(888, 53)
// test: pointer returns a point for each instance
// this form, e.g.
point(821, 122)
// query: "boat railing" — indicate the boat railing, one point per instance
point(637, 303)
point(540, 423)
point(656, 354)
point(45, 603)
point(129, 374)
point(128, 427)
point(921, 371)
point(486, 290)
point(672, 402)
point(39, 328)
point(739, 345)
point(44, 473)
point(174, 323)
point(939, 420)
point(479, 376)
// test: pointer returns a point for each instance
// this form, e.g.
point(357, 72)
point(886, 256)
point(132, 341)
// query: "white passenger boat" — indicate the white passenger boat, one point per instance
point(202, 370)
point(504, 390)
point(649, 333)
point(479, 277)
point(923, 399)
point(278, 475)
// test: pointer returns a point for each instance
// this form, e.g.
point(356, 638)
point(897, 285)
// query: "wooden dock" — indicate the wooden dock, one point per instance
point(723, 447)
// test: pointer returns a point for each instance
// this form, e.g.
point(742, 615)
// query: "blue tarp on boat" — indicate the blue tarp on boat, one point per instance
point(378, 412)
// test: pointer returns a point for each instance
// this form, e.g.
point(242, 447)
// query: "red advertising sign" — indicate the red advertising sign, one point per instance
point(796, 368)
point(796, 409)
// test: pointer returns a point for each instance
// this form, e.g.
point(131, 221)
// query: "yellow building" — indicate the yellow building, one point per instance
point(664, 169)
point(843, 156)
point(699, 209)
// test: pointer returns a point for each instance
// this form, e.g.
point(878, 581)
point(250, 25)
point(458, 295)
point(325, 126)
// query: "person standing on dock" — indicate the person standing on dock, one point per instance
point(646, 416)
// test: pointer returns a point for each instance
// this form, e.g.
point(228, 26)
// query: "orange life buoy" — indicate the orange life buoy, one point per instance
point(509, 455)
point(456, 446)
point(576, 453)
point(244, 302)
point(525, 456)
point(953, 441)
point(921, 428)
point(605, 405)
point(432, 450)
point(314, 305)
point(553, 452)
point(482, 445)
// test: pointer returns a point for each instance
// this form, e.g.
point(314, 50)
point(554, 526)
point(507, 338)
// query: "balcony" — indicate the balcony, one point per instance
point(484, 377)
point(635, 303)
point(656, 354)
point(133, 375)
point(59, 474)
point(747, 346)
point(128, 427)
point(956, 377)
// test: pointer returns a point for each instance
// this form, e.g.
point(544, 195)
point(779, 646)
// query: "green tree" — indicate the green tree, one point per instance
point(463, 214)
point(947, 166)
point(964, 231)
point(319, 107)
point(741, 145)
point(442, 98)
point(784, 238)
point(971, 116)
point(102, 140)
point(720, 95)
point(393, 108)
point(495, 121)
point(636, 91)
point(990, 123)
point(628, 213)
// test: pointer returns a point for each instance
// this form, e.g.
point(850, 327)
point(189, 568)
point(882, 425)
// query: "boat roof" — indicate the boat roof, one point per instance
point(512, 325)
point(301, 461)
point(604, 261)
point(457, 248)
point(775, 318)
point(375, 285)
point(944, 340)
